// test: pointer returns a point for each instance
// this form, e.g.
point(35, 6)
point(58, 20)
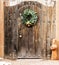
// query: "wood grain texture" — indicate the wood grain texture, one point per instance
point(33, 42)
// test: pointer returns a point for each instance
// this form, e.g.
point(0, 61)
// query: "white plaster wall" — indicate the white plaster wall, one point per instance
point(49, 2)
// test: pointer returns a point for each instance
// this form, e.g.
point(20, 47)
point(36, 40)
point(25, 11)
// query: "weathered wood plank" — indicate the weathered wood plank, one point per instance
point(32, 42)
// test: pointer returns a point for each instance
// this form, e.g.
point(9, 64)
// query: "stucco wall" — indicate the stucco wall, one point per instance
point(57, 19)
point(1, 30)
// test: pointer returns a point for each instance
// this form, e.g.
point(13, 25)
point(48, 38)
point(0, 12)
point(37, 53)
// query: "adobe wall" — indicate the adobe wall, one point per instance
point(1, 29)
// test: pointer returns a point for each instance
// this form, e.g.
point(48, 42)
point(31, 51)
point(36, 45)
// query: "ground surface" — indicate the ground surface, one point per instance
point(29, 62)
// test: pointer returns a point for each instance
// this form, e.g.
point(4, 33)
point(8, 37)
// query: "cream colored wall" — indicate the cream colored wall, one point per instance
point(1, 29)
point(57, 20)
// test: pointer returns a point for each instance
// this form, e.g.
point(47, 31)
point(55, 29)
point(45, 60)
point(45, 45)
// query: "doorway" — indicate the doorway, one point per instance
point(28, 42)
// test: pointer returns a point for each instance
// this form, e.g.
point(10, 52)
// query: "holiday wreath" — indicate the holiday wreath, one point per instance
point(29, 17)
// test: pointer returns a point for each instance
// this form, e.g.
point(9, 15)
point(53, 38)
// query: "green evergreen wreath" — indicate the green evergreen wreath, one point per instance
point(29, 17)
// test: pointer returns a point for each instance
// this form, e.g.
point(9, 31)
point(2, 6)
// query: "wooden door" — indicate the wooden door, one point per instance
point(29, 44)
